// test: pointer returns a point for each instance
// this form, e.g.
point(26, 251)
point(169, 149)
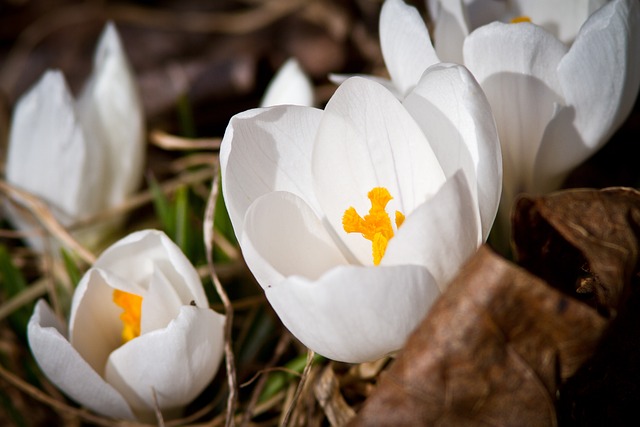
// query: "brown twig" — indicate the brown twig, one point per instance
point(173, 142)
point(35, 33)
point(61, 406)
point(144, 197)
point(303, 380)
point(43, 214)
point(32, 292)
point(239, 22)
point(209, 230)
point(284, 341)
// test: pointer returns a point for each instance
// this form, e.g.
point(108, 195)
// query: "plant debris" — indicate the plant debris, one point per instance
point(502, 344)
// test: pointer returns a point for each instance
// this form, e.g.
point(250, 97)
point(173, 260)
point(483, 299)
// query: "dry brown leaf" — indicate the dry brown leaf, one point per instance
point(507, 346)
point(583, 242)
point(327, 391)
point(492, 351)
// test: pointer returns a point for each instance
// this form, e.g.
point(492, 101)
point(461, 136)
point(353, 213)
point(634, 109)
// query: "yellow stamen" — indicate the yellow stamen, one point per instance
point(399, 219)
point(132, 305)
point(519, 19)
point(375, 226)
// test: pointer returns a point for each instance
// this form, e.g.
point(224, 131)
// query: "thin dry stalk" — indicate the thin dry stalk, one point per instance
point(172, 142)
point(193, 160)
point(303, 380)
point(167, 187)
point(34, 34)
point(43, 214)
point(283, 343)
point(156, 408)
point(32, 292)
point(62, 407)
point(259, 410)
point(240, 22)
point(209, 230)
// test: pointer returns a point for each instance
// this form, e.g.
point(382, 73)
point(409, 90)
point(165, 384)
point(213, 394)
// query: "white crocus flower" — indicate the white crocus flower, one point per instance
point(353, 219)
point(141, 334)
point(80, 157)
point(455, 19)
point(290, 86)
point(555, 102)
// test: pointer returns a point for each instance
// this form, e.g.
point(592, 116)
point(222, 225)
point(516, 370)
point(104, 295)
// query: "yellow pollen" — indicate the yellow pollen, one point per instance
point(132, 305)
point(519, 19)
point(376, 225)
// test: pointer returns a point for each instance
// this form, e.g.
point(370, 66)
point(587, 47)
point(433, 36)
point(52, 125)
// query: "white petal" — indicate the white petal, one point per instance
point(284, 237)
point(177, 362)
point(405, 42)
point(439, 235)
point(482, 12)
point(355, 314)
point(135, 258)
point(561, 18)
point(601, 73)
point(454, 114)
point(368, 139)
point(160, 305)
point(521, 85)
point(95, 328)
point(111, 114)
point(267, 150)
point(62, 364)
point(290, 85)
point(338, 79)
point(451, 28)
point(48, 154)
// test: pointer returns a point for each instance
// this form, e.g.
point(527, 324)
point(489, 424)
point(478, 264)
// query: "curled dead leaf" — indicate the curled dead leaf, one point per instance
point(554, 342)
point(492, 351)
point(584, 242)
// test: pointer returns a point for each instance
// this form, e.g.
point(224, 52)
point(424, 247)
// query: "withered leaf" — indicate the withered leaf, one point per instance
point(492, 351)
point(327, 391)
point(583, 242)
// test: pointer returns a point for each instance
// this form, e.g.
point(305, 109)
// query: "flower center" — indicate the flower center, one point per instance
point(376, 225)
point(519, 19)
point(132, 306)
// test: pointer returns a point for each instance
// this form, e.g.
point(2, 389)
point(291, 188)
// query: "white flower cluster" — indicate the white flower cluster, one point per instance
point(353, 218)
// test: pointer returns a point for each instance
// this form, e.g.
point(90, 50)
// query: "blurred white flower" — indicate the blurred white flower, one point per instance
point(141, 331)
point(353, 219)
point(455, 19)
point(80, 157)
point(290, 86)
point(556, 104)
point(559, 85)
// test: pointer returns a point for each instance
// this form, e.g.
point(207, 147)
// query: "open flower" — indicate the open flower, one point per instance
point(290, 85)
point(354, 218)
point(84, 156)
point(455, 19)
point(560, 79)
point(141, 333)
point(556, 104)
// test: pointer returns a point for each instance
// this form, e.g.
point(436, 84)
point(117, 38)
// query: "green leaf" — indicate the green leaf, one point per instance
point(185, 117)
point(222, 221)
point(181, 236)
point(12, 283)
point(164, 210)
point(72, 268)
point(279, 379)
